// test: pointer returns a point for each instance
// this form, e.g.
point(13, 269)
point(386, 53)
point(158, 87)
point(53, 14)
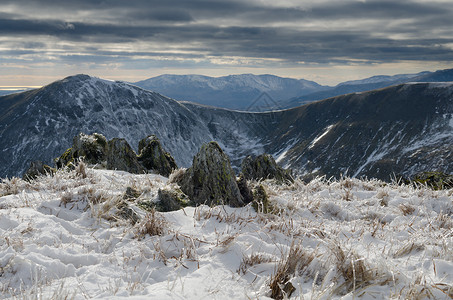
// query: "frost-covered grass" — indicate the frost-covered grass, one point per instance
point(63, 237)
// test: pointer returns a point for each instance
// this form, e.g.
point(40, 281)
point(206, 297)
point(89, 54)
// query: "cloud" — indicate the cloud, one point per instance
point(213, 32)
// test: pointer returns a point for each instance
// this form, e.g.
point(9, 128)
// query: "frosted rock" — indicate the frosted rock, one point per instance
point(120, 156)
point(264, 167)
point(153, 157)
point(211, 180)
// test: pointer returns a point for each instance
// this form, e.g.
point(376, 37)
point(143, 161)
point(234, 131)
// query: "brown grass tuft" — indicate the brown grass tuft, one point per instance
point(152, 224)
point(296, 260)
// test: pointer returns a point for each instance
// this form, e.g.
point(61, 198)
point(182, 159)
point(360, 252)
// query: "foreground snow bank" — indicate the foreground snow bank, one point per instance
point(62, 237)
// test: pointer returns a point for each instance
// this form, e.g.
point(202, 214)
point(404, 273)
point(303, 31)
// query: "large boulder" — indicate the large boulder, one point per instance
point(153, 157)
point(91, 148)
point(211, 180)
point(264, 167)
point(121, 156)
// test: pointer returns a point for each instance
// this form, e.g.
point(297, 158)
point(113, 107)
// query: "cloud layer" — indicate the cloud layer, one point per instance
point(142, 34)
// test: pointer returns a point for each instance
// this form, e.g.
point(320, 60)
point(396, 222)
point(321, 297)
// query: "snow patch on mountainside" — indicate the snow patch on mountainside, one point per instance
point(318, 138)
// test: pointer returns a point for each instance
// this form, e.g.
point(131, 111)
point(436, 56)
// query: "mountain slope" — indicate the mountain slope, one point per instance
point(401, 129)
point(40, 124)
point(354, 86)
point(233, 91)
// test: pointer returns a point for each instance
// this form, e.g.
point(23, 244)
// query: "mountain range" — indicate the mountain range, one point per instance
point(241, 92)
point(402, 129)
point(250, 92)
point(368, 84)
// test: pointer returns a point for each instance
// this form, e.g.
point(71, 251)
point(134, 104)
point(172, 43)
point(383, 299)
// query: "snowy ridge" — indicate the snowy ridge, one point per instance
point(63, 237)
point(232, 92)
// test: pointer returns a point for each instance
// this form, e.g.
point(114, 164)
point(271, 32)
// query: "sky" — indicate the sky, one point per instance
point(325, 41)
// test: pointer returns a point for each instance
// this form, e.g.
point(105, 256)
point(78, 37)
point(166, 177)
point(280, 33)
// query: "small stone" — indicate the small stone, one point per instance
point(131, 194)
point(171, 200)
point(127, 213)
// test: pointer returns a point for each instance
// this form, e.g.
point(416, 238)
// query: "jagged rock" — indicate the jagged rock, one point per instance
point(264, 167)
point(91, 148)
point(171, 199)
point(65, 159)
point(153, 157)
point(37, 168)
point(120, 156)
point(211, 180)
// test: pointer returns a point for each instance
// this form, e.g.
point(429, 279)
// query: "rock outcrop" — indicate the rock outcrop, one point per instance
point(153, 157)
point(264, 167)
point(120, 156)
point(211, 180)
point(117, 154)
point(91, 148)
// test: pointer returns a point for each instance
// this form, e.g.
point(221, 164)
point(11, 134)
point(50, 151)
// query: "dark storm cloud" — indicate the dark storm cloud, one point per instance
point(370, 31)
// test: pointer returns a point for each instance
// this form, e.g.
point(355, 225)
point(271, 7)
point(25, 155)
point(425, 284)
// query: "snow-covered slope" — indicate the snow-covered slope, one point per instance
point(233, 91)
point(398, 130)
point(62, 237)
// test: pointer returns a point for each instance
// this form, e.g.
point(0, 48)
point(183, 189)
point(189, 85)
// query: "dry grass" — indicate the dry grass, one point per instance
point(407, 209)
point(353, 270)
point(12, 186)
point(81, 170)
point(253, 260)
point(152, 224)
point(296, 261)
point(408, 249)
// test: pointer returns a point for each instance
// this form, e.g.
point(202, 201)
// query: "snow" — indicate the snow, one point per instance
point(282, 153)
point(62, 237)
point(317, 139)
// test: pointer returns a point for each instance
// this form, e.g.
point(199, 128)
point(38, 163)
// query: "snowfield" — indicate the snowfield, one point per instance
point(65, 237)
